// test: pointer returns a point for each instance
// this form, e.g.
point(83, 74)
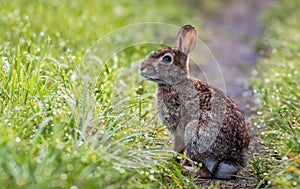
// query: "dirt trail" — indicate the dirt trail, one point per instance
point(231, 36)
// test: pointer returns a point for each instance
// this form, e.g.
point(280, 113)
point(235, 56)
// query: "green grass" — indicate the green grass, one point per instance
point(278, 89)
point(61, 131)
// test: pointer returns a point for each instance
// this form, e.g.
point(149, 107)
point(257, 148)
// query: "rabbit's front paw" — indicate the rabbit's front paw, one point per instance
point(202, 172)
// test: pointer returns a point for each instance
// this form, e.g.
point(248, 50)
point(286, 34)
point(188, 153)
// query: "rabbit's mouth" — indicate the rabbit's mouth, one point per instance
point(153, 79)
point(156, 80)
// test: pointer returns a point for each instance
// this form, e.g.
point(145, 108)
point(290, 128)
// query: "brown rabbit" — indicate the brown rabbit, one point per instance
point(205, 124)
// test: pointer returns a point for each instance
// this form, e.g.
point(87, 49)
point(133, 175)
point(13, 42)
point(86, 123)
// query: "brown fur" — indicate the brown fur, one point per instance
point(205, 124)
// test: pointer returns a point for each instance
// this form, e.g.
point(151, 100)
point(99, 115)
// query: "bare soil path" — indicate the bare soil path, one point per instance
point(231, 35)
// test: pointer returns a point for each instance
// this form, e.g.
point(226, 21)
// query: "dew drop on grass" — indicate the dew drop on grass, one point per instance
point(22, 40)
point(60, 145)
point(118, 10)
point(266, 80)
point(73, 187)
point(118, 168)
point(70, 167)
point(122, 170)
point(21, 181)
point(96, 175)
point(289, 177)
point(18, 140)
point(64, 176)
point(151, 177)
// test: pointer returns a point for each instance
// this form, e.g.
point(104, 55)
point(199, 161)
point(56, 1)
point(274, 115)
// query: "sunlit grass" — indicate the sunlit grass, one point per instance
point(278, 90)
point(61, 131)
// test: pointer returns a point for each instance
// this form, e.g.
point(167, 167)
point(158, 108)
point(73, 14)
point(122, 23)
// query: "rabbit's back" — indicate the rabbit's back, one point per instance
point(206, 121)
point(232, 133)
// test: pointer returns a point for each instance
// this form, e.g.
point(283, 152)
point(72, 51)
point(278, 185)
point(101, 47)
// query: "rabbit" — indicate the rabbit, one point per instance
point(204, 123)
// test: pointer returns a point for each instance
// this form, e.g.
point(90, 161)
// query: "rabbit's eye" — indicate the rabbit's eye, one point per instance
point(167, 59)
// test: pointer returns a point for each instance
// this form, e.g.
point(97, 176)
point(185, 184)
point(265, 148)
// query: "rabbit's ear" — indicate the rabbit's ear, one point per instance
point(186, 39)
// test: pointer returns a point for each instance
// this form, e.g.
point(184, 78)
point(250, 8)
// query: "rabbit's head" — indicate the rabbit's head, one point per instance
point(170, 66)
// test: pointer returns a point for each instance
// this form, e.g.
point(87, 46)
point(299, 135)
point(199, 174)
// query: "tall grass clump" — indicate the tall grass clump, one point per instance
point(278, 90)
point(61, 129)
